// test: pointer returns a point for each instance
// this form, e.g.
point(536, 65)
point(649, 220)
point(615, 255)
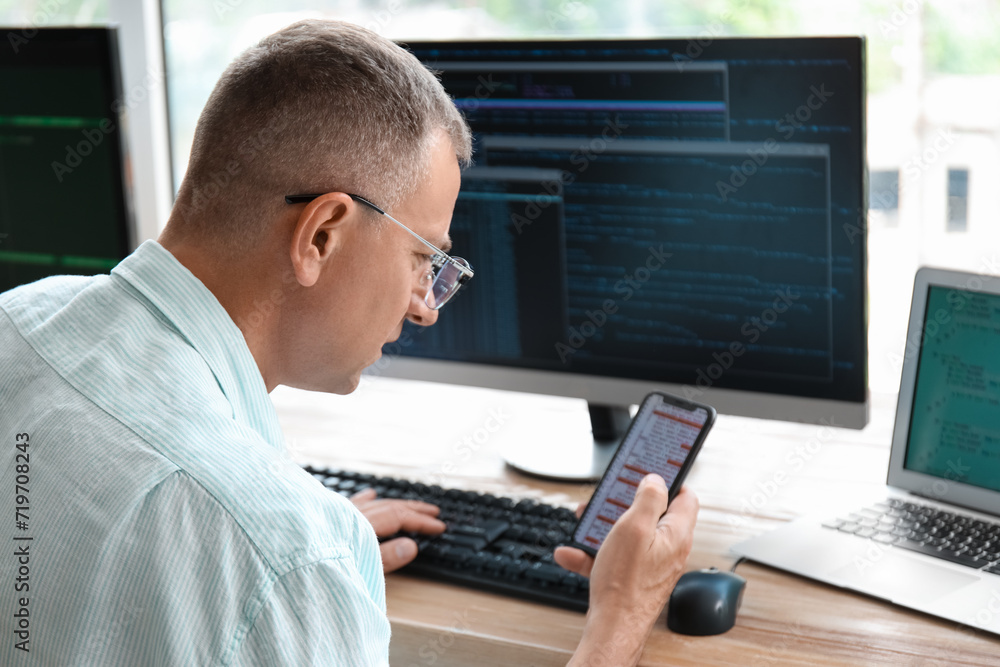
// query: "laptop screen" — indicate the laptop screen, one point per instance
point(954, 429)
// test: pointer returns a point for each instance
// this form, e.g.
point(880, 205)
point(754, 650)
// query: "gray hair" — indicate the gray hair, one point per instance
point(320, 106)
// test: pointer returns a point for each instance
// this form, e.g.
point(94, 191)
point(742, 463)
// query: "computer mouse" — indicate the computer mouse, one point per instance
point(705, 602)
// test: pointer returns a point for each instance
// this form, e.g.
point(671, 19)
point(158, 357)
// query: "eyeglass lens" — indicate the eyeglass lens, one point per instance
point(446, 283)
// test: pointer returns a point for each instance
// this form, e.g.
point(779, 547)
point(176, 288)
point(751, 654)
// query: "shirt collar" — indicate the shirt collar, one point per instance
point(194, 311)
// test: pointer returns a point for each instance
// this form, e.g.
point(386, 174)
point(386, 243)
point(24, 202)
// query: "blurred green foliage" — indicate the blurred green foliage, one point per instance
point(957, 36)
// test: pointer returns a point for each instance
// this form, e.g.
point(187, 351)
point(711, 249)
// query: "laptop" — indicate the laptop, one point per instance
point(933, 543)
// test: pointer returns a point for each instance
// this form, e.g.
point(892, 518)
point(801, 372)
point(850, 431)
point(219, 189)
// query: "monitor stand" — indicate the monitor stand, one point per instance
point(575, 460)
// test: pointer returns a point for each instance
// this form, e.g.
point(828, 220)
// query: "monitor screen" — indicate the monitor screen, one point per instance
point(63, 203)
point(659, 215)
point(954, 424)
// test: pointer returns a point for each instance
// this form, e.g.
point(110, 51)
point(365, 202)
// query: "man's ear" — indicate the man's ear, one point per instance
point(317, 235)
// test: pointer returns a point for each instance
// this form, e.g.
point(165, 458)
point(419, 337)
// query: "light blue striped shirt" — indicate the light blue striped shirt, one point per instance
point(167, 524)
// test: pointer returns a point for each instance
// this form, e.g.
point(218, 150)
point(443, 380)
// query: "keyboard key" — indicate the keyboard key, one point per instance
point(467, 541)
point(531, 536)
point(514, 533)
point(516, 568)
point(535, 552)
point(496, 562)
point(488, 530)
point(525, 506)
point(546, 573)
point(458, 555)
point(944, 554)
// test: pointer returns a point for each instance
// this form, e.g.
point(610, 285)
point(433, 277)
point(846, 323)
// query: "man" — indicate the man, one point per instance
point(160, 530)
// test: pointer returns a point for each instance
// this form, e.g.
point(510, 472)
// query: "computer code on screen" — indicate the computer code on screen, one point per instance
point(955, 422)
point(635, 213)
point(62, 192)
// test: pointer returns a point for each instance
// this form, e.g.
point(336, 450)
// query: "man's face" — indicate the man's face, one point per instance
point(376, 284)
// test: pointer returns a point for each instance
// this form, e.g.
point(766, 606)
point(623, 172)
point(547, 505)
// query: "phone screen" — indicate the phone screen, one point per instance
point(663, 438)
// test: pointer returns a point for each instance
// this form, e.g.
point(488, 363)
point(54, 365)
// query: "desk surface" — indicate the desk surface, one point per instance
point(751, 476)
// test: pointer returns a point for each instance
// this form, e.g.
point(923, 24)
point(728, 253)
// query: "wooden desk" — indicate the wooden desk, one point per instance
point(751, 476)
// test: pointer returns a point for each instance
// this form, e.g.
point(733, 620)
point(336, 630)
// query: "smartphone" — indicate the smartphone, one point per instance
point(664, 437)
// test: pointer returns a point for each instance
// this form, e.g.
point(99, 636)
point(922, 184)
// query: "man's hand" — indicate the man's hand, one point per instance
point(388, 517)
point(635, 570)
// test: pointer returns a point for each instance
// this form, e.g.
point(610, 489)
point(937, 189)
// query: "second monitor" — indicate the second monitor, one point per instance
point(642, 216)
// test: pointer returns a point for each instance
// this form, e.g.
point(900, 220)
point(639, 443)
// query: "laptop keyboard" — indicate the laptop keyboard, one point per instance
point(907, 525)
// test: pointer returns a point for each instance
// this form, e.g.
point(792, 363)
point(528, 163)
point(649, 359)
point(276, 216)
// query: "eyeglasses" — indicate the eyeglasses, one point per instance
point(446, 274)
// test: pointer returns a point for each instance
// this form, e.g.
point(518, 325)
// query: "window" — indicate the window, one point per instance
point(40, 13)
point(932, 94)
point(958, 200)
point(883, 195)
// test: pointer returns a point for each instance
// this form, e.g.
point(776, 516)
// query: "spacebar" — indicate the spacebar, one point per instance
point(943, 554)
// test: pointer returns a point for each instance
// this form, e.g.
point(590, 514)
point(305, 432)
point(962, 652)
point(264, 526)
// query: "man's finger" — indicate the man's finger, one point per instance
point(574, 560)
point(401, 506)
point(422, 507)
point(363, 496)
point(397, 553)
point(650, 498)
point(420, 522)
point(391, 517)
point(682, 513)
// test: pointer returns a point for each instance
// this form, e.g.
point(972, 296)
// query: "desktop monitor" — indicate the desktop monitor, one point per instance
point(676, 215)
point(63, 204)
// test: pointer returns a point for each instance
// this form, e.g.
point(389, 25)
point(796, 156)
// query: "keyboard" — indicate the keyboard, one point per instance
point(492, 543)
point(928, 530)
